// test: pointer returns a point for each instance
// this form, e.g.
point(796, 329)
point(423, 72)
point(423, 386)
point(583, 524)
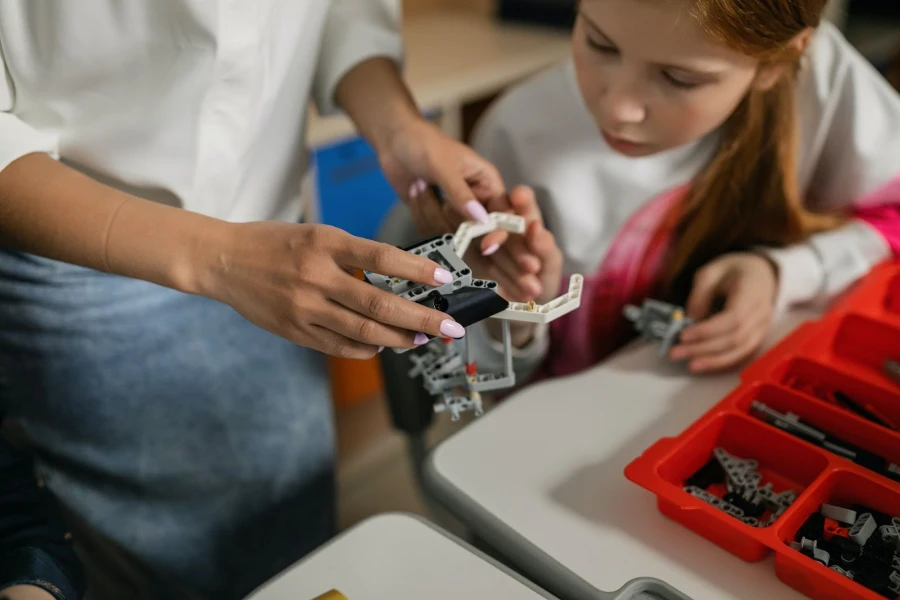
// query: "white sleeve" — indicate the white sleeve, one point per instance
point(850, 149)
point(17, 138)
point(355, 31)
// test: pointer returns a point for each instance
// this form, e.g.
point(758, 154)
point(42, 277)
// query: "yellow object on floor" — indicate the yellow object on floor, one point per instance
point(332, 595)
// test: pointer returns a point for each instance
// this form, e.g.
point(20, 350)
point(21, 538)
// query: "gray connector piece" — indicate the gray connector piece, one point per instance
point(739, 472)
point(847, 574)
point(837, 513)
point(658, 321)
point(811, 547)
point(715, 501)
point(456, 405)
point(863, 529)
point(894, 582)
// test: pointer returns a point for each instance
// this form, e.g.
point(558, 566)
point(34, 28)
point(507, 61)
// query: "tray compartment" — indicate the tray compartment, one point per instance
point(782, 461)
point(877, 559)
point(846, 438)
point(867, 343)
point(833, 386)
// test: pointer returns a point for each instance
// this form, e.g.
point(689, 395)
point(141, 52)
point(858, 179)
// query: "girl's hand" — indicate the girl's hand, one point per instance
point(297, 281)
point(420, 155)
point(527, 267)
point(748, 283)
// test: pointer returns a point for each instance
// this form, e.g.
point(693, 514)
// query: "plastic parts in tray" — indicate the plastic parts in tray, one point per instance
point(816, 418)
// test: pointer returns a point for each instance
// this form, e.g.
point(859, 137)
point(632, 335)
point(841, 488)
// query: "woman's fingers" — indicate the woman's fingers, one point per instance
point(387, 309)
point(365, 330)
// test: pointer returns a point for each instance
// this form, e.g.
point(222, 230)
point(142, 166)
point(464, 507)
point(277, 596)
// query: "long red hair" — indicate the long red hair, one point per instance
point(748, 194)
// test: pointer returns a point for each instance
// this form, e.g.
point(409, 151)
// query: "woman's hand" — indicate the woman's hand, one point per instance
point(419, 155)
point(748, 283)
point(297, 281)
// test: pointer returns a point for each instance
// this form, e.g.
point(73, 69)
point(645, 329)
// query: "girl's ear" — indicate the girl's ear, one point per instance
point(769, 74)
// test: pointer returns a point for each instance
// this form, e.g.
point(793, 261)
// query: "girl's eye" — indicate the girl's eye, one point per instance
point(680, 83)
point(600, 47)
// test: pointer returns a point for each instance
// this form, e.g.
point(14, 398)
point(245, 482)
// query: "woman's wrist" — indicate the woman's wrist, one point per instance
point(375, 97)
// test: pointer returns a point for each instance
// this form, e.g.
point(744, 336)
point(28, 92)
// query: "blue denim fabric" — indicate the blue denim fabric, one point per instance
point(170, 426)
point(33, 544)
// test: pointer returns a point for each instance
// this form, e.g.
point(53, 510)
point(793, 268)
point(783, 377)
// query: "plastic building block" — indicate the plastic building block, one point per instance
point(811, 549)
point(745, 499)
point(658, 322)
point(471, 230)
point(839, 514)
point(445, 372)
point(833, 528)
point(862, 529)
point(545, 313)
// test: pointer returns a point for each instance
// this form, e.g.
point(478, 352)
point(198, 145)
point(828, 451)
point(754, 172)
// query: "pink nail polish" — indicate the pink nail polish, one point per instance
point(421, 185)
point(452, 329)
point(491, 250)
point(442, 276)
point(477, 211)
point(380, 349)
point(414, 190)
point(420, 339)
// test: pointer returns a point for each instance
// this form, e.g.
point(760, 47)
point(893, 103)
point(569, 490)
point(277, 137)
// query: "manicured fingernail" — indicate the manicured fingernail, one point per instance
point(477, 211)
point(380, 349)
point(452, 329)
point(491, 249)
point(420, 339)
point(442, 276)
point(416, 188)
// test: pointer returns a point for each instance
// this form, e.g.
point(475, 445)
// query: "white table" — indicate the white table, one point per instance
point(540, 479)
point(398, 557)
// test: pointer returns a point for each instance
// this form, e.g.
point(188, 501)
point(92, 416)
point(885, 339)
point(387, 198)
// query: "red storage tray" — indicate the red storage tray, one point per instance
point(844, 350)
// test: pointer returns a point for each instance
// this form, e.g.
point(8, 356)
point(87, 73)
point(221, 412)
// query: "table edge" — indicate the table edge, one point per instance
point(546, 571)
point(422, 521)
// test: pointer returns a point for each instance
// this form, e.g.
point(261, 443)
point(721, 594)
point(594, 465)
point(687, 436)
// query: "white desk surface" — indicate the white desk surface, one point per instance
point(540, 478)
point(397, 557)
point(457, 57)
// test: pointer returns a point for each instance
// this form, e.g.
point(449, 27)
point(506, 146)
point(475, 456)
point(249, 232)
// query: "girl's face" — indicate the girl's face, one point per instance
point(650, 76)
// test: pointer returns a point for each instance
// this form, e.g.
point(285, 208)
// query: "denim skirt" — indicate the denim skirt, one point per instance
point(192, 450)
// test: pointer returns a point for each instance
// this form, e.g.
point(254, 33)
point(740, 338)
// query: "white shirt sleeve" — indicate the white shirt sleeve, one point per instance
point(17, 138)
point(850, 148)
point(355, 31)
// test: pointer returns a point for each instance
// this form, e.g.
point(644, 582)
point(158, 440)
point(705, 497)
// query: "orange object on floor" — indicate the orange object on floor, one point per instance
point(354, 381)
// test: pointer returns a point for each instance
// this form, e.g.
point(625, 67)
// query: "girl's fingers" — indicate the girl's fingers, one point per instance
point(725, 341)
point(528, 283)
point(729, 359)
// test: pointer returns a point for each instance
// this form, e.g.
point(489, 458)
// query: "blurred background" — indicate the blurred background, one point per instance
point(460, 55)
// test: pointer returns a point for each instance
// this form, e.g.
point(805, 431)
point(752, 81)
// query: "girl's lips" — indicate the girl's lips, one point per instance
point(622, 145)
